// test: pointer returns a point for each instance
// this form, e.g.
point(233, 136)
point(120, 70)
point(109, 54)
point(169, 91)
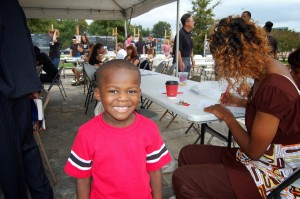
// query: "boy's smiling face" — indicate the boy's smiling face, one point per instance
point(119, 91)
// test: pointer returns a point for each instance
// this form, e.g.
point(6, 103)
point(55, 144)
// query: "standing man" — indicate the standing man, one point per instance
point(151, 44)
point(246, 15)
point(140, 46)
point(185, 53)
point(20, 158)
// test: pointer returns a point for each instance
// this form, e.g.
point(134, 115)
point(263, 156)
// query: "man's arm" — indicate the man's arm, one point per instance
point(192, 59)
point(71, 52)
point(83, 188)
point(180, 62)
point(156, 184)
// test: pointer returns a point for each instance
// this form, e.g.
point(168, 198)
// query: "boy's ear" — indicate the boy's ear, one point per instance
point(97, 94)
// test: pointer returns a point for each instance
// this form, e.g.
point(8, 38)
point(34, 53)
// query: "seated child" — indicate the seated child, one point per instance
point(294, 61)
point(119, 153)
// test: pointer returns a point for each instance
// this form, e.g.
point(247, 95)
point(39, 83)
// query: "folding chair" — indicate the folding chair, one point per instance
point(275, 194)
point(89, 71)
point(171, 69)
point(144, 64)
point(160, 67)
point(57, 81)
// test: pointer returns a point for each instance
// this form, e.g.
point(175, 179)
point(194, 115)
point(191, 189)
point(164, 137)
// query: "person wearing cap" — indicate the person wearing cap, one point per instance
point(73, 47)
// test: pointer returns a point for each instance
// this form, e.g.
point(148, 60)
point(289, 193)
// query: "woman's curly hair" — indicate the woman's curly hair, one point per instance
point(240, 50)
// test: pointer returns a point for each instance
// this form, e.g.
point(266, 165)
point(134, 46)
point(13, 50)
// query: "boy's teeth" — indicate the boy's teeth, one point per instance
point(121, 108)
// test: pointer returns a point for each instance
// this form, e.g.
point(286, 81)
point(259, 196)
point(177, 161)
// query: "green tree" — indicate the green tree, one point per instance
point(159, 29)
point(40, 26)
point(203, 16)
point(83, 26)
point(287, 41)
point(67, 29)
point(104, 28)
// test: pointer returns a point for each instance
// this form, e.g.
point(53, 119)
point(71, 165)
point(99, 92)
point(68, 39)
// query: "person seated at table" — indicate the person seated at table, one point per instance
point(78, 68)
point(120, 135)
point(294, 61)
point(132, 55)
point(270, 147)
point(121, 53)
point(48, 65)
point(97, 56)
point(150, 54)
point(87, 54)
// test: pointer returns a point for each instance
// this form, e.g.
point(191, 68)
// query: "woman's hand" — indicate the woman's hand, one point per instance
point(229, 99)
point(220, 112)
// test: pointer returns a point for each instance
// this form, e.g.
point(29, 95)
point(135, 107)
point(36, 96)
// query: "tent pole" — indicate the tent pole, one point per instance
point(125, 28)
point(177, 37)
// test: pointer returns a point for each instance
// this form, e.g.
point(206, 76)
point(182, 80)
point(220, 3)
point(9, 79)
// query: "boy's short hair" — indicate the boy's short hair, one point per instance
point(116, 64)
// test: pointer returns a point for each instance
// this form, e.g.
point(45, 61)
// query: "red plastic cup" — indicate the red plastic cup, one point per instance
point(172, 89)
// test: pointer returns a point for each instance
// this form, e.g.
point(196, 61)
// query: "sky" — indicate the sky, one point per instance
point(281, 13)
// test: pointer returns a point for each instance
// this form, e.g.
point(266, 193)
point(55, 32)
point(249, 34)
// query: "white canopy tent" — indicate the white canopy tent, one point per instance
point(94, 9)
point(89, 9)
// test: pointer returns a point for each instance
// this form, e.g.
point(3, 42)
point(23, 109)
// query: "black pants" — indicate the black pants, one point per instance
point(20, 160)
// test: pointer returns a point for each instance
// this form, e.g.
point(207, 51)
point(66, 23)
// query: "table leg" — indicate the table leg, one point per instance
point(174, 117)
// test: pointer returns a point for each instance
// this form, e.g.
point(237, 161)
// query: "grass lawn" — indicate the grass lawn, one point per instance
point(67, 65)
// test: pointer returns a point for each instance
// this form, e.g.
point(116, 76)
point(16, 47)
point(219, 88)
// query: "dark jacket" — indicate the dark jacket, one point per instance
point(18, 76)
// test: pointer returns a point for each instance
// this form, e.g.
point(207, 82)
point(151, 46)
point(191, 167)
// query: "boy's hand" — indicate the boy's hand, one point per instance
point(156, 184)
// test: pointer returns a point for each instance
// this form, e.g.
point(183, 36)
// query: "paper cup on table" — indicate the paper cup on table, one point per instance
point(172, 89)
point(182, 78)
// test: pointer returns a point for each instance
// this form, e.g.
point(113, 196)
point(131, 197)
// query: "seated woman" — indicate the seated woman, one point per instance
point(87, 54)
point(48, 65)
point(270, 147)
point(97, 56)
point(132, 55)
point(294, 61)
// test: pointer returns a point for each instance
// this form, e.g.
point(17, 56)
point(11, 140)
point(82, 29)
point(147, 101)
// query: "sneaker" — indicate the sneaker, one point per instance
point(76, 84)
point(73, 80)
point(81, 79)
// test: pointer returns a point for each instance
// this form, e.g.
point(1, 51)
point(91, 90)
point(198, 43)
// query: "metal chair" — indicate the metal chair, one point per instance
point(161, 67)
point(275, 194)
point(57, 81)
point(144, 64)
point(89, 71)
point(171, 69)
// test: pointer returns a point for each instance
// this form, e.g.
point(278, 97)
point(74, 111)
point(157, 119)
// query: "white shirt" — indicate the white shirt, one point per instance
point(121, 54)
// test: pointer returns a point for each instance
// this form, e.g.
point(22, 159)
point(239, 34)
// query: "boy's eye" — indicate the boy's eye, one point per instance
point(132, 91)
point(113, 91)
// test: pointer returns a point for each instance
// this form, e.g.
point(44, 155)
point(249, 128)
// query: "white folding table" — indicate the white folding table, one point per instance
point(153, 87)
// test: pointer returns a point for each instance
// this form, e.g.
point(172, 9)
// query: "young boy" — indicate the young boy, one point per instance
point(118, 154)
